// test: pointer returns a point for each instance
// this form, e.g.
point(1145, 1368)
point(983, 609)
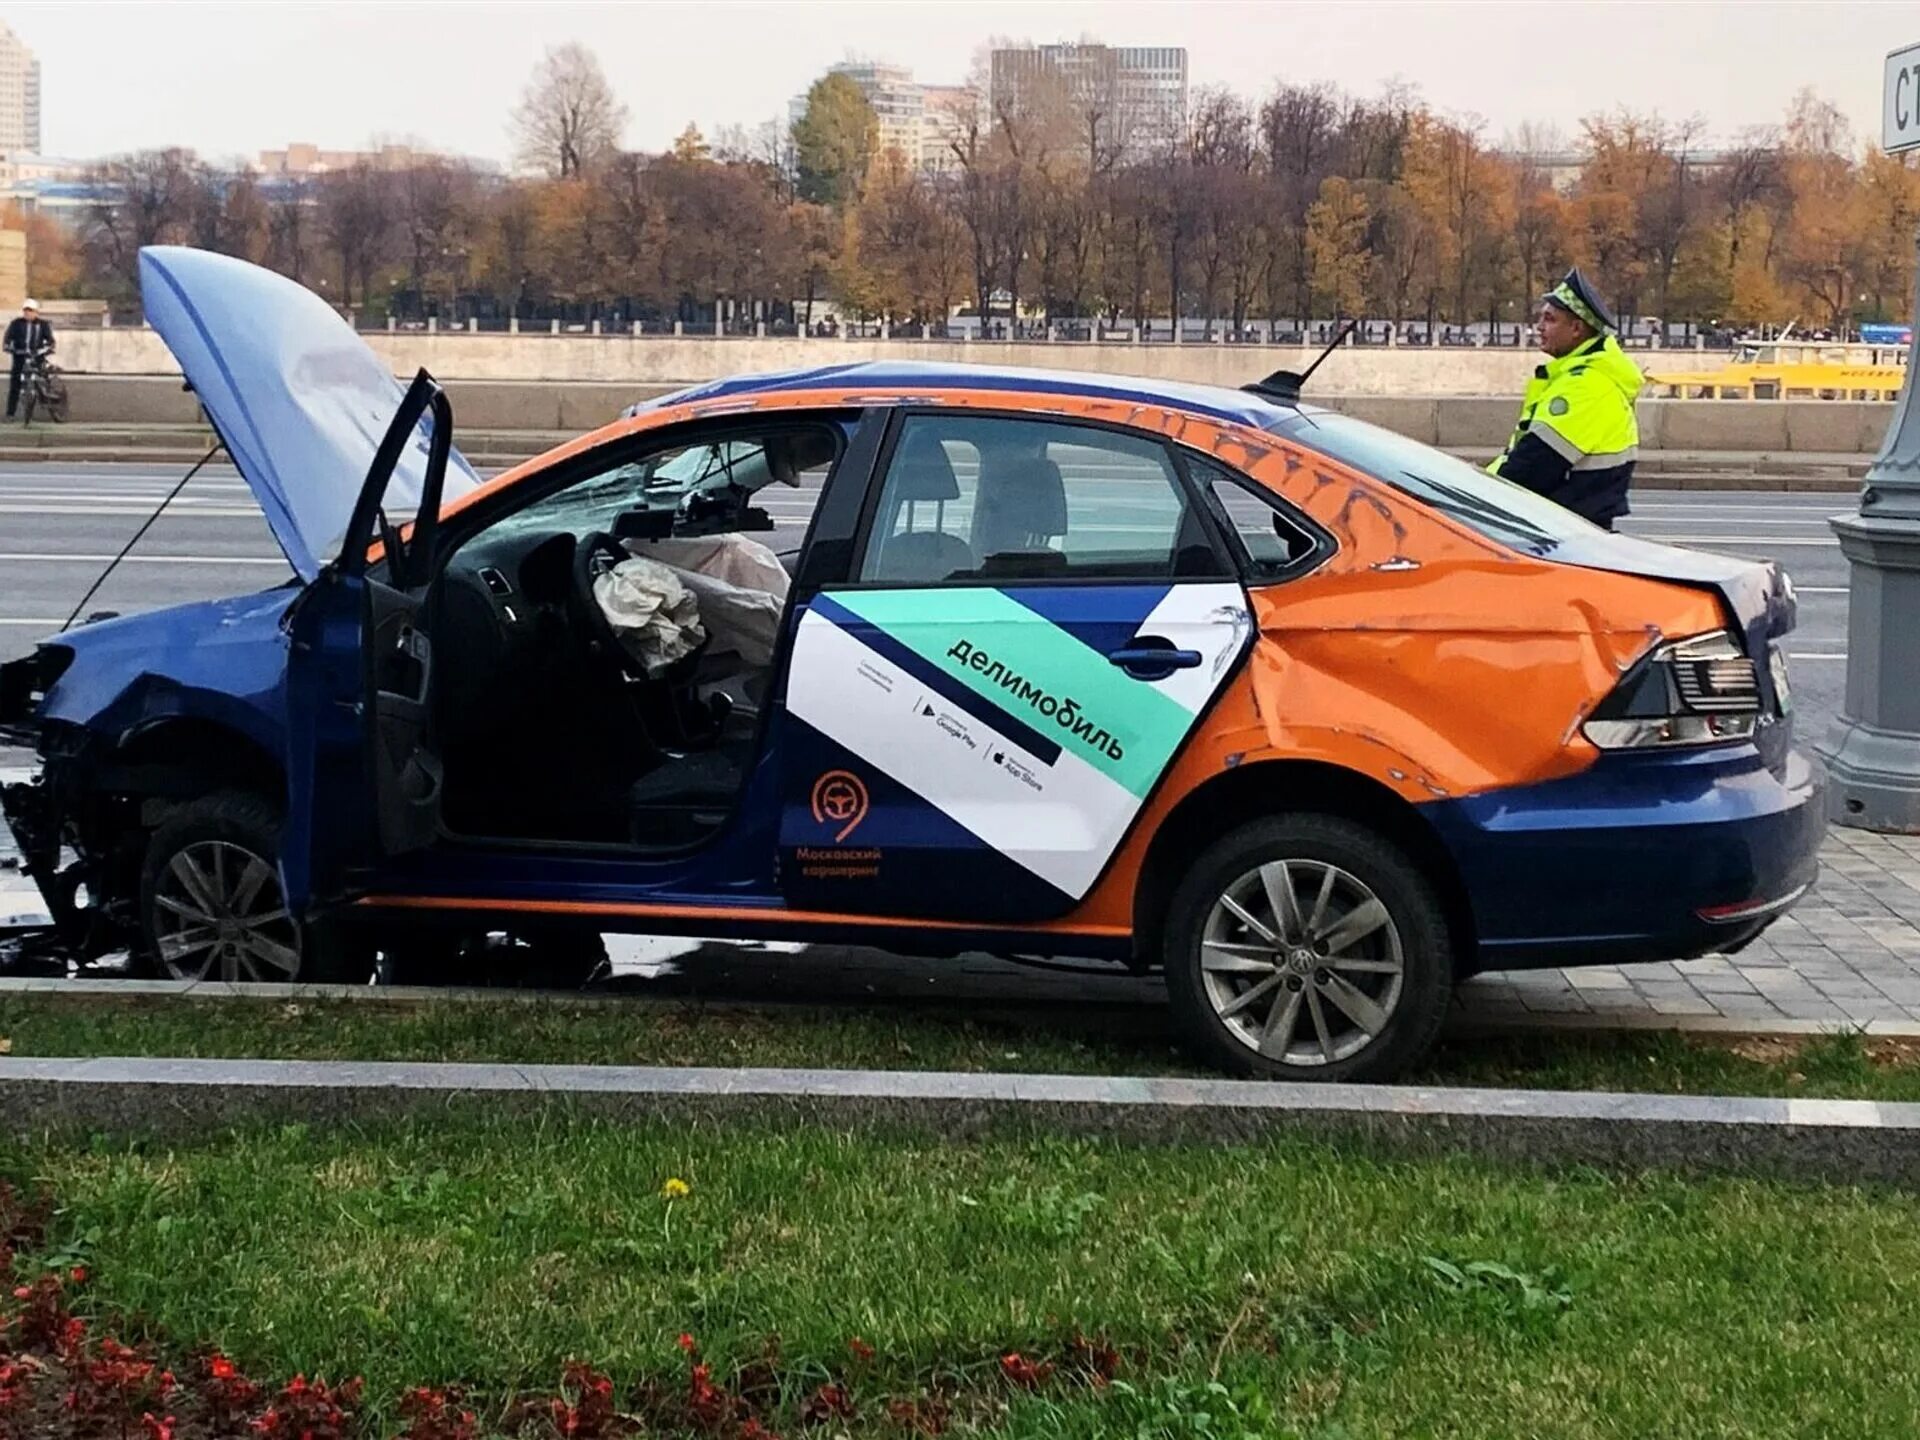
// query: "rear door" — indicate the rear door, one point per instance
point(1039, 615)
point(361, 782)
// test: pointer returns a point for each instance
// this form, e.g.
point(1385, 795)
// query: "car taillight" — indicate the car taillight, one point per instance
point(1699, 691)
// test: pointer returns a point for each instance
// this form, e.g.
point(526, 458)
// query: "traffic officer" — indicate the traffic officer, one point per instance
point(1577, 439)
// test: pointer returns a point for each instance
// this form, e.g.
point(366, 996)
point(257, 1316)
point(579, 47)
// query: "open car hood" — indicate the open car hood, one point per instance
point(298, 398)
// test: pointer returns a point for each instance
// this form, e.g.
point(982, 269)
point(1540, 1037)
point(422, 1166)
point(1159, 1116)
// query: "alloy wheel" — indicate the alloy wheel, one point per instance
point(1302, 962)
point(219, 913)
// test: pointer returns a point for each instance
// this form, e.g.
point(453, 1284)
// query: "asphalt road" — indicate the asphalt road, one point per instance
point(60, 523)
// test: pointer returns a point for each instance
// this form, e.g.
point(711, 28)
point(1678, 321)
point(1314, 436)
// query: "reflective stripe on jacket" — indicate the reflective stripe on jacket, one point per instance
point(1577, 439)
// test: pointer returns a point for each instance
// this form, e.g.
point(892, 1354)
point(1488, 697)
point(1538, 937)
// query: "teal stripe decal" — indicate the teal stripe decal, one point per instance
point(1037, 671)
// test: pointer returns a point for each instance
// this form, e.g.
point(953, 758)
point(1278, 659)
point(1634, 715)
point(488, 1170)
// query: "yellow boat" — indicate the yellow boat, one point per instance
point(1793, 370)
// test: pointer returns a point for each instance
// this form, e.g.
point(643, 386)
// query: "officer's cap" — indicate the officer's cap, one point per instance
point(1579, 299)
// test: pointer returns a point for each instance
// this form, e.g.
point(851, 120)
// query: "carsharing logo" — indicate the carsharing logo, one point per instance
point(840, 798)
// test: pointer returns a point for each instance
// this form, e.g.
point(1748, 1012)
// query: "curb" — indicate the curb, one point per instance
point(1461, 1020)
point(1828, 1140)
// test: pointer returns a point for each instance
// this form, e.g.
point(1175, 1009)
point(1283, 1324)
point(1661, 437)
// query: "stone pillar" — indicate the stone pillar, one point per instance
point(433, 324)
point(1873, 753)
point(393, 324)
point(553, 327)
point(513, 324)
point(679, 328)
point(596, 327)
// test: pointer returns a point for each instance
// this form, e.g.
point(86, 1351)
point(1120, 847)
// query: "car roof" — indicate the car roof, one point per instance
point(909, 376)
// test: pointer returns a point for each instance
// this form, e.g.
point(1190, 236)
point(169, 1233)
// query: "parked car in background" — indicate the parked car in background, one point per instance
point(1313, 719)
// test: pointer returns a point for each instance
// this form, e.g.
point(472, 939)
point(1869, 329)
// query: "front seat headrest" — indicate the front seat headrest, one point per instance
point(1023, 503)
point(791, 456)
point(922, 471)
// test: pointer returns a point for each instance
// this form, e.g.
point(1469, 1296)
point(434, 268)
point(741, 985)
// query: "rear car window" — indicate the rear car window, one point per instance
point(1509, 514)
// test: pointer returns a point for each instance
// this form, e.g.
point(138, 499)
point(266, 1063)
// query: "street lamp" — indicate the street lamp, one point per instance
point(1873, 754)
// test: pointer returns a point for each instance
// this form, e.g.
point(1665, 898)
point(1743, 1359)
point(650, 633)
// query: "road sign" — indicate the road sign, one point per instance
point(1900, 101)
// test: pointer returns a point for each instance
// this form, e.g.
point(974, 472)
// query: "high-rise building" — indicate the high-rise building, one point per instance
point(19, 96)
point(914, 119)
point(1137, 94)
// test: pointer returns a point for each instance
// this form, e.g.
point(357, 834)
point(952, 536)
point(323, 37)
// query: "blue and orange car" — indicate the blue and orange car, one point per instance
point(1311, 718)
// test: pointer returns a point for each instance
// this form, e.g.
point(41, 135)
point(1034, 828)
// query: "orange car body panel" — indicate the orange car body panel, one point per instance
point(1420, 655)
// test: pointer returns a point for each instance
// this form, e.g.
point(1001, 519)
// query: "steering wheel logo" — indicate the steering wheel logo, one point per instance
point(840, 798)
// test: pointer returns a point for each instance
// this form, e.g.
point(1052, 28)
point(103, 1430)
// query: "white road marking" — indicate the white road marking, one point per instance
point(50, 624)
point(149, 559)
point(1822, 589)
point(1702, 542)
point(126, 510)
point(1815, 655)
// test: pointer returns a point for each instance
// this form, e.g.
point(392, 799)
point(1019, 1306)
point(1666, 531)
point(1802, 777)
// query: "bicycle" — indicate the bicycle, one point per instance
point(44, 390)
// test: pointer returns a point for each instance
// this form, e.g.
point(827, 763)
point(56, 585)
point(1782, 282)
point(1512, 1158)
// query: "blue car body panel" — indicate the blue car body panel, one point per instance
point(1618, 862)
point(223, 661)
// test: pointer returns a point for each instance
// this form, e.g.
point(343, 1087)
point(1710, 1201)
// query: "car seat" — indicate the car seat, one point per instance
point(1021, 508)
point(923, 475)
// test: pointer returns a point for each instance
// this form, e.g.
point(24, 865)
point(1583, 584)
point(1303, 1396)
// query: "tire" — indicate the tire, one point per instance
point(29, 398)
point(1366, 1007)
point(211, 906)
point(57, 402)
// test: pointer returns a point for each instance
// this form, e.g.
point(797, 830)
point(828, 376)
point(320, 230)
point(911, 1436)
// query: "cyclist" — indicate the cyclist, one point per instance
point(28, 337)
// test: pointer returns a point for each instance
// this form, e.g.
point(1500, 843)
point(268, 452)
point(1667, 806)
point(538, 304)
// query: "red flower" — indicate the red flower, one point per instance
point(686, 1343)
point(862, 1351)
point(157, 1429)
point(1023, 1372)
point(78, 1274)
point(829, 1402)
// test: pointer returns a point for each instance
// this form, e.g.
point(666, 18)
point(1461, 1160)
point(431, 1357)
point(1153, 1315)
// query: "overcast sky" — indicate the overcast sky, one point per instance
point(232, 79)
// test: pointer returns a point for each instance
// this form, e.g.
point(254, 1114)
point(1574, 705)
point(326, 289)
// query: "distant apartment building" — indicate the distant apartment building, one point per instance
point(914, 119)
point(19, 96)
point(301, 160)
point(1139, 92)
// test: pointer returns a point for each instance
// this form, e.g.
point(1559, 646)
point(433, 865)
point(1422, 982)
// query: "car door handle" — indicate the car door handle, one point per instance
point(1151, 658)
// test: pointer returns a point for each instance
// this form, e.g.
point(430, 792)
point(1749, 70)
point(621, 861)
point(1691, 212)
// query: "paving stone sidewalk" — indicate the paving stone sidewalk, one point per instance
point(1848, 955)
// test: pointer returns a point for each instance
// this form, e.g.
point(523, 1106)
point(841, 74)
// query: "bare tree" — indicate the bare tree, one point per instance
point(356, 218)
point(568, 120)
point(145, 198)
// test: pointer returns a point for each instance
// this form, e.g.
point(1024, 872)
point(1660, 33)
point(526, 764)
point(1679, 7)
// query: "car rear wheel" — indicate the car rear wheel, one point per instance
point(212, 906)
point(1308, 947)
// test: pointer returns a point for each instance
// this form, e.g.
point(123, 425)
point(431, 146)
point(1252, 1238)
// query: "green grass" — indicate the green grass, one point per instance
point(1134, 1042)
point(1269, 1289)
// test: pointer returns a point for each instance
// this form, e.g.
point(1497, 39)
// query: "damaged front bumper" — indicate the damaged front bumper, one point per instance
point(35, 809)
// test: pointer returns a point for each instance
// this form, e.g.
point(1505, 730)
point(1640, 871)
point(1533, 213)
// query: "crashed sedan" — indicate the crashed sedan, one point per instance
point(1313, 719)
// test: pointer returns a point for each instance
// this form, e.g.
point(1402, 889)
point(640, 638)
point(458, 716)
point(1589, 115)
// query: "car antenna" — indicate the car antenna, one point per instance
point(112, 565)
point(1284, 385)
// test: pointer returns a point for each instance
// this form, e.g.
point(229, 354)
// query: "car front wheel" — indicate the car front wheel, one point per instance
point(212, 906)
point(1308, 947)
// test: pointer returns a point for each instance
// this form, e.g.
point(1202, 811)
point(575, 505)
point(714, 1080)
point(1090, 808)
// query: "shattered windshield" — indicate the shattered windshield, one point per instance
point(1502, 511)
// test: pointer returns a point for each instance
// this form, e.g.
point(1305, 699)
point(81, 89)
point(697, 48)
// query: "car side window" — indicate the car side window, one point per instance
point(975, 497)
point(1273, 542)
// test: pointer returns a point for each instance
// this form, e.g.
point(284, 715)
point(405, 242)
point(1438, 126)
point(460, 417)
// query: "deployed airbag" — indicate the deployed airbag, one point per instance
point(652, 613)
point(739, 583)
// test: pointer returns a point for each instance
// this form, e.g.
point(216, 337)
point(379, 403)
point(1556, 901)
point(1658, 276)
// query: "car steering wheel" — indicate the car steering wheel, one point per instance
point(595, 554)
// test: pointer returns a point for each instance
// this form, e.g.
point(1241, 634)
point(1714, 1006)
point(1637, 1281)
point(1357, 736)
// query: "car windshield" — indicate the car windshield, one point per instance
point(659, 482)
point(1498, 509)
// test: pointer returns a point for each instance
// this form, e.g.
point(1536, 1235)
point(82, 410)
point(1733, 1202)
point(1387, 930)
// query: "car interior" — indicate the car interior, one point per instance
point(603, 656)
point(974, 499)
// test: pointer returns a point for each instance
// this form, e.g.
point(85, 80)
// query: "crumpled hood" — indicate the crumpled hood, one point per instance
point(300, 401)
